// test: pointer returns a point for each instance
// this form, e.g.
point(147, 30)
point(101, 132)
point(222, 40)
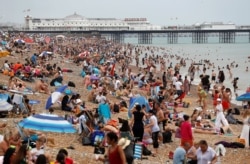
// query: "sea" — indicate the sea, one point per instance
point(221, 54)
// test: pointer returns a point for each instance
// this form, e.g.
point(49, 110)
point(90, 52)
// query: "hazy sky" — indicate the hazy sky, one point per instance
point(158, 12)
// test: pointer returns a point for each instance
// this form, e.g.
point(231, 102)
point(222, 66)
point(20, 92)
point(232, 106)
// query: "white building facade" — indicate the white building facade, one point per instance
point(77, 22)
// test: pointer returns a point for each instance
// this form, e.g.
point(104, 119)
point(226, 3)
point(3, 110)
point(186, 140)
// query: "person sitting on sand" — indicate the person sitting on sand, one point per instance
point(28, 134)
point(42, 87)
point(7, 142)
point(14, 83)
point(38, 150)
point(86, 80)
point(176, 111)
point(119, 92)
point(65, 103)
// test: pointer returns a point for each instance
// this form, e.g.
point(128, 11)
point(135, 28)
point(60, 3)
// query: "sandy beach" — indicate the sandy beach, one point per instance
point(84, 154)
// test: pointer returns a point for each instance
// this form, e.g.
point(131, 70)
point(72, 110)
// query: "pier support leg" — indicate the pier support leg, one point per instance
point(199, 37)
point(145, 38)
point(227, 37)
point(249, 37)
point(172, 37)
point(117, 37)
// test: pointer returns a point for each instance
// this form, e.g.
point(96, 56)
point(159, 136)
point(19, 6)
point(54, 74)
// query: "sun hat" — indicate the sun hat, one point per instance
point(78, 101)
point(123, 142)
point(218, 99)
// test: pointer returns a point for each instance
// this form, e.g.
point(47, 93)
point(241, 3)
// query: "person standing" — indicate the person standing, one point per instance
point(137, 122)
point(245, 133)
point(178, 87)
point(155, 129)
point(205, 154)
point(115, 152)
point(186, 86)
point(104, 112)
point(220, 117)
point(180, 154)
point(164, 80)
point(213, 76)
point(186, 131)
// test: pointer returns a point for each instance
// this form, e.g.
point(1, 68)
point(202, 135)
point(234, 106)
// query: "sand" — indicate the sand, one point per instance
point(84, 154)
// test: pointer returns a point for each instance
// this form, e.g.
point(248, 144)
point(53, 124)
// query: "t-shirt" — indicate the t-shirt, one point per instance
point(178, 85)
point(174, 79)
point(186, 131)
point(68, 160)
point(206, 156)
point(35, 153)
point(179, 155)
point(155, 127)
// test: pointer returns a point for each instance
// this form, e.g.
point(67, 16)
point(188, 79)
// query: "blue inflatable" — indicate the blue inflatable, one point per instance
point(140, 100)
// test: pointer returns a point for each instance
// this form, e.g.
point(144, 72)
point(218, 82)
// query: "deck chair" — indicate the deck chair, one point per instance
point(84, 132)
point(19, 106)
point(26, 139)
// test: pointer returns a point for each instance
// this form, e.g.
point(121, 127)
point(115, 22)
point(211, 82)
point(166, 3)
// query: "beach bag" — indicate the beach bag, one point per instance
point(6, 72)
point(97, 138)
point(86, 141)
point(145, 151)
point(241, 140)
point(128, 151)
point(171, 155)
point(99, 150)
point(167, 137)
point(236, 111)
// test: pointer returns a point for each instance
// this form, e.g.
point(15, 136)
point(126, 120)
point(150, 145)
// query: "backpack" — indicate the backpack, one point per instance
point(145, 151)
point(96, 138)
point(116, 108)
point(236, 111)
point(167, 137)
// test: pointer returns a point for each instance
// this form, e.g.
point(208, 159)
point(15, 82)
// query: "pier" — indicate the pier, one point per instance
point(199, 36)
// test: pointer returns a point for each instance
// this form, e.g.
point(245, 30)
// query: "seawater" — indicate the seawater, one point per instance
point(219, 54)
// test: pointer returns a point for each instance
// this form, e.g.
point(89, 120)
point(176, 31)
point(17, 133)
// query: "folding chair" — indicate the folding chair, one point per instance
point(19, 106)
point(25, 139)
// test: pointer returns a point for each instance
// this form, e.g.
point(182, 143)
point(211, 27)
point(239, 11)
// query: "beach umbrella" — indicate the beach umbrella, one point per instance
point(55, 96)
point(28, 40)
point(47, 123)
point(5, 106)
point(45, 53)
point(19, 41)
point(244, 97)
point(93, 77)
point(141, 100)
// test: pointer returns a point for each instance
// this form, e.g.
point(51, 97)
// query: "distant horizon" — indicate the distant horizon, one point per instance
point(158, 12)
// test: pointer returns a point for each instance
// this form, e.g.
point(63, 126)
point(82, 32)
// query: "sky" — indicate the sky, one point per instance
point(157, 12)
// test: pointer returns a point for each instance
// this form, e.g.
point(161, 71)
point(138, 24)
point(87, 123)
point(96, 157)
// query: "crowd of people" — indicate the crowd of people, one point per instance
point(106, 75)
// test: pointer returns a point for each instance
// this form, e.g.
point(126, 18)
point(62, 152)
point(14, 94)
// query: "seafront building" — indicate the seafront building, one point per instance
point(77, 22)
